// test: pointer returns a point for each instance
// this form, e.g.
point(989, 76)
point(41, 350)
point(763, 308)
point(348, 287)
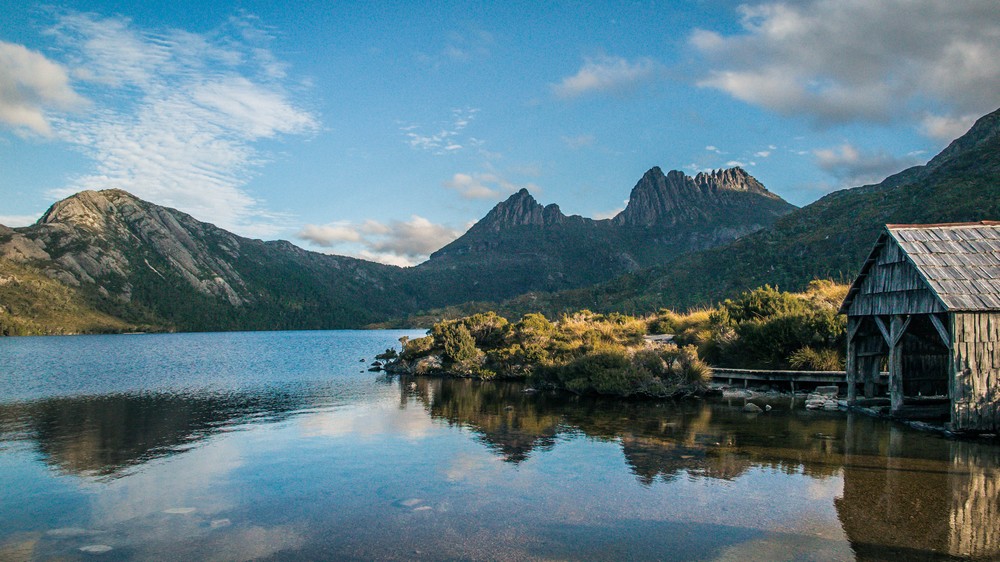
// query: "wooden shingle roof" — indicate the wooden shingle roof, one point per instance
point(960, 262)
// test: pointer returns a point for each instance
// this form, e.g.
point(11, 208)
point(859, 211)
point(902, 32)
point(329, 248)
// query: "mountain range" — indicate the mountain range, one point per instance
point(108, 261)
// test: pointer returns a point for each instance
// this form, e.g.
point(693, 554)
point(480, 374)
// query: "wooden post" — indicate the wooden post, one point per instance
point(852, 360)
point(897, 328)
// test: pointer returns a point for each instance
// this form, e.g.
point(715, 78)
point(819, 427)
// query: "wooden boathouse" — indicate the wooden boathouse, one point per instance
point(926, 306)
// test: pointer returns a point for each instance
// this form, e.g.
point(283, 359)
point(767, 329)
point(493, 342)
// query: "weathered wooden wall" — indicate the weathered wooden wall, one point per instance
point(975, 393)
point(893, 285)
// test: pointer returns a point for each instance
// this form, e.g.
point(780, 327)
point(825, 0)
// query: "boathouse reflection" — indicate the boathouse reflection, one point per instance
point(903, 500)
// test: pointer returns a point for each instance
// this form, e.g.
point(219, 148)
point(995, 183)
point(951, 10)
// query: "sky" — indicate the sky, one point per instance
point(383, 130)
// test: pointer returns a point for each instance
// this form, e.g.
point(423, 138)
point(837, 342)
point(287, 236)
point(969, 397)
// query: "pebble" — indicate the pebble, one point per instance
point(179, 510)
point(96, 548)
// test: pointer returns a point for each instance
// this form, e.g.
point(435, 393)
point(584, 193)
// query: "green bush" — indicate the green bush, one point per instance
point(417, 348)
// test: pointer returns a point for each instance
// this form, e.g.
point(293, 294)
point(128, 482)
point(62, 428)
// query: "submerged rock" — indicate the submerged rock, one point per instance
point(752, 408)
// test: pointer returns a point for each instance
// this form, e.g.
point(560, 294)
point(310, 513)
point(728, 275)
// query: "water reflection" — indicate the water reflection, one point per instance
point(105, 435)
point(906, 495)
point(902, 494)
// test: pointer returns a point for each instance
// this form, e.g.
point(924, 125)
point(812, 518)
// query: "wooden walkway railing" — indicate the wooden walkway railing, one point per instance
point(729, 376)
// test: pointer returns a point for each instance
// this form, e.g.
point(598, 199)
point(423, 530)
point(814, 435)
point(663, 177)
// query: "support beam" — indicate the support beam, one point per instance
point(895, 332)
point(885, 331)
point(942, 330)
point(853, 323)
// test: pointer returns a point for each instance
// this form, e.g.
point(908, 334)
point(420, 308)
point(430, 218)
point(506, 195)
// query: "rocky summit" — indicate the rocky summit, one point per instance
point(676, 198)
point(521, 246)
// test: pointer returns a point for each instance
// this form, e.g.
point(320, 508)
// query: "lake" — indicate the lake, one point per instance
point(282, 446)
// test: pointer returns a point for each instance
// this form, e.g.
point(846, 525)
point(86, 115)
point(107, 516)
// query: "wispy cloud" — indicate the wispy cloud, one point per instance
point(579, 141)
point(605, 75)
point(176, 115)
point(930, 62)
point(448, 137)
point(459, 47)
point(402, 243)
point(30, 85)
point(853, 167)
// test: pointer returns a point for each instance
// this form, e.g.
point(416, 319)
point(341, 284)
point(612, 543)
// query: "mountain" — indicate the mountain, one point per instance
point(123, 263)
point(521, 246)
point(829, 238)
point(108, 261)
point(152, 266)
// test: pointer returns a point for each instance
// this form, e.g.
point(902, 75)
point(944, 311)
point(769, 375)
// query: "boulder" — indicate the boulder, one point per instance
point(752, 408)
point(831, 391)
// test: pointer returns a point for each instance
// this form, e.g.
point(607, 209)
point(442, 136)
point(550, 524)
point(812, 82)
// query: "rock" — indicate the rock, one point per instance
point(767, 407)
point(831, 405)
point(827, 390)
point(813, 406)
point(752, 408)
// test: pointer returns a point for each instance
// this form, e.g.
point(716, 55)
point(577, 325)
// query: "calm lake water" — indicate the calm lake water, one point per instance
point(281, 446)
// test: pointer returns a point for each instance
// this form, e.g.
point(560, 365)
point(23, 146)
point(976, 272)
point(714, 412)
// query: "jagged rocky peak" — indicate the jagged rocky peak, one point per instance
point(521, 209)
point(730, 179)
point(659, 197)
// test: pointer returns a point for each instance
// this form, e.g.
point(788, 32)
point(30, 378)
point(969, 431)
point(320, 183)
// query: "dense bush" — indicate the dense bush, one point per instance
point(607, 354)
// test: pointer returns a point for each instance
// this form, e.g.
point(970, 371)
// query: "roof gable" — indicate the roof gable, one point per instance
point(958, 263)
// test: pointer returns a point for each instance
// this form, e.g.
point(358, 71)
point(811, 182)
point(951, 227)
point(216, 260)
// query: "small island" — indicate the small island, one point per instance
point(614, 354)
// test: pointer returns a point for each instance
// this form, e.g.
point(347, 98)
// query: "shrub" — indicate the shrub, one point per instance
point(417, 348)
point(457, 342)
point(816, 359)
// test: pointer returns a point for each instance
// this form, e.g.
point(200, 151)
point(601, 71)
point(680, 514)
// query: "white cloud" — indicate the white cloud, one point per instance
point(605, 74)
point(852, 167)
point(601, 215)
point(14, 221)
point(855, 60)
point(762, 153)
point(944, 128)
point(485, 185)
point(30, 85)
point(329, 235)
point(447, 138)
point(177, 115)
point(402, 243)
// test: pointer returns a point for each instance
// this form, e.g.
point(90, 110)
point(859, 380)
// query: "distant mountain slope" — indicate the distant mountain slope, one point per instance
point(148, 264)
point(521, 246)
point(829, 238)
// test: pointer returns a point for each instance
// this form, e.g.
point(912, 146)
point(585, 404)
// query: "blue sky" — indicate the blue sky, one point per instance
point(383, 130)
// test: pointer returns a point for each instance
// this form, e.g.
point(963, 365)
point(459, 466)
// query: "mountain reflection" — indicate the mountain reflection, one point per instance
point(104, 435)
